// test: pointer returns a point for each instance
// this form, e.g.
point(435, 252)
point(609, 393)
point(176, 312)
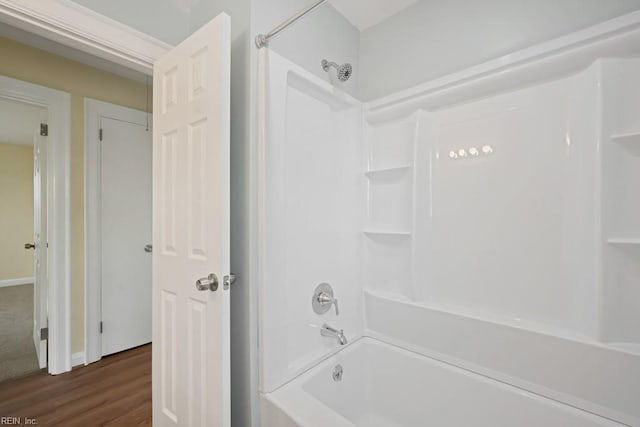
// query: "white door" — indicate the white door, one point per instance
point(40, 245)
point(125, 230)
point(191, 85)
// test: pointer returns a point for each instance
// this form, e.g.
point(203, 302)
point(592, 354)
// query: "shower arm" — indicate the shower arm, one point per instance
point(262, 40)
point(327, 64)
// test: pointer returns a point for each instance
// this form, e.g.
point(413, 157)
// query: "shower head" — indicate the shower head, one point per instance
point(344, 70)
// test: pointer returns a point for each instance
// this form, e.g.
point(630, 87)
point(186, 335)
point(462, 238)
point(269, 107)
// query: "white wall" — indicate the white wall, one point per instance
point(16, 215)
point(434, 38)
point(323, 34)
point(312, 209)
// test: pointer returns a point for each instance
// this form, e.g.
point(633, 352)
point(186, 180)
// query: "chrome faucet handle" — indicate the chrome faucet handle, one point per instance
point(327, 299)
point(323, 299)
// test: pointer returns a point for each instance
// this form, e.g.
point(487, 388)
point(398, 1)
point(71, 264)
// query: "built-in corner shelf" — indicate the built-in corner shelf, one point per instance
point(387, 233)
point(627, 244)
point(387, 173)
point(624, 241)
point(627, 138)
point(630, 141)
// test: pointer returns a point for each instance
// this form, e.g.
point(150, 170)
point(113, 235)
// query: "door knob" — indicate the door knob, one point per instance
point(29, 246)
point(209, 283)
point(148, 248)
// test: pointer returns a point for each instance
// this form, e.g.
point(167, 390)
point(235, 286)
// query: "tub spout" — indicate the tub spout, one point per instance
point(328, 331)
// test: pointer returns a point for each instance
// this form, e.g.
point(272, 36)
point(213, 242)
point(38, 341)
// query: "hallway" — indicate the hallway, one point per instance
point(115, 391)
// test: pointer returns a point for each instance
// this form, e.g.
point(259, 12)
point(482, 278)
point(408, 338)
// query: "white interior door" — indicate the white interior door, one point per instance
point(191, 385)
point(40, 242)
point(125, 230)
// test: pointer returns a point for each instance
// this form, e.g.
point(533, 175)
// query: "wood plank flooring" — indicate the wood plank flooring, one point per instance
point(116, 391)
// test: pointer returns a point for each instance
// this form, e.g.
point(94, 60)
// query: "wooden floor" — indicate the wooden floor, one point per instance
point(115, 391)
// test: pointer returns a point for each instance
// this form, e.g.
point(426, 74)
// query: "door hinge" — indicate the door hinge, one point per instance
point(44, 334)
point(101, 329)
point(100, 134)
point(44, 129)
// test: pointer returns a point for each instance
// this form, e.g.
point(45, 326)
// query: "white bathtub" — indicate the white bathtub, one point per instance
point(386, 386)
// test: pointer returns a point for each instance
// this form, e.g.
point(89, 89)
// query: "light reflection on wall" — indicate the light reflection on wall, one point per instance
point(471, 152)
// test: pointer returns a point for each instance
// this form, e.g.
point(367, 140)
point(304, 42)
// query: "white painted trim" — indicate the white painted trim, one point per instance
point(16, 282)
point(58, 105)
point(93, 112)
point(546, 60)
point(92, 242)
point(81, 28)
point(77, 359)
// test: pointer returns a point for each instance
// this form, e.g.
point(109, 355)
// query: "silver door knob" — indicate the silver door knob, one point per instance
point(29, 246)
point(209, 283)
point(148, 248)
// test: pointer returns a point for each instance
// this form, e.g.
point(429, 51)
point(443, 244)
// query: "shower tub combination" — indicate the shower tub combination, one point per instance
point(385, 386)
point(480, 235)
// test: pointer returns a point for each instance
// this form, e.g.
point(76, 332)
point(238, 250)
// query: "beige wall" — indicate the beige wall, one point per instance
point(39, 67)
point(16, 210)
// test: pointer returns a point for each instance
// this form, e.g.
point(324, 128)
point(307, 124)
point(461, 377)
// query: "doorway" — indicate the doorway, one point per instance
point(23, 231)
point(51, 311)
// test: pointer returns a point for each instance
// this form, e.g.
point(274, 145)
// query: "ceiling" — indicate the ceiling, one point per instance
point(367, 13)
point(18, 122)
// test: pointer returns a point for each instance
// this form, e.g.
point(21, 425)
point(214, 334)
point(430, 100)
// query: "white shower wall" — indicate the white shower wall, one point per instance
point(311, 213)
point(488, 207)
point(502, 212)
point(516, 208)
point(506, 206)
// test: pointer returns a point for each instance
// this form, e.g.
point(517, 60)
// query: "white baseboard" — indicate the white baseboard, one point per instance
point(77, 359)
point(16, 282)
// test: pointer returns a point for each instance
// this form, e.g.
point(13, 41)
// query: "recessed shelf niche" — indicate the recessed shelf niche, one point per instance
point(621, 202)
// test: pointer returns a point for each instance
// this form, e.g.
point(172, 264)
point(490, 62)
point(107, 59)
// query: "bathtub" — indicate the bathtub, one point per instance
point(384, 386)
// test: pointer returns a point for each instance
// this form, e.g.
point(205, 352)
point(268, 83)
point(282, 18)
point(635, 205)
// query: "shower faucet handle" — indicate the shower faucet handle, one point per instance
point(323, 299)
point(326, 299)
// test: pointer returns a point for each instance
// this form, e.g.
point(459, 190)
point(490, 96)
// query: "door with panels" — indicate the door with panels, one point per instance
point(191, 385)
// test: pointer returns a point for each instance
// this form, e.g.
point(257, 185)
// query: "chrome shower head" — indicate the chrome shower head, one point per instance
point(344, 70)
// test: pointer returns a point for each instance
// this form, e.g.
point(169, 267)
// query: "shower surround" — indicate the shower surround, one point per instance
point(482, 230)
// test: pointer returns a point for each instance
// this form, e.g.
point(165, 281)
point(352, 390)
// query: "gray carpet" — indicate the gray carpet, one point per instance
point(17, 351)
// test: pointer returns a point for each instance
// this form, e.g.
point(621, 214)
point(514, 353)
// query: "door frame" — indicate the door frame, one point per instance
point(58, 106)
point(81, 28)
point(93, 111)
